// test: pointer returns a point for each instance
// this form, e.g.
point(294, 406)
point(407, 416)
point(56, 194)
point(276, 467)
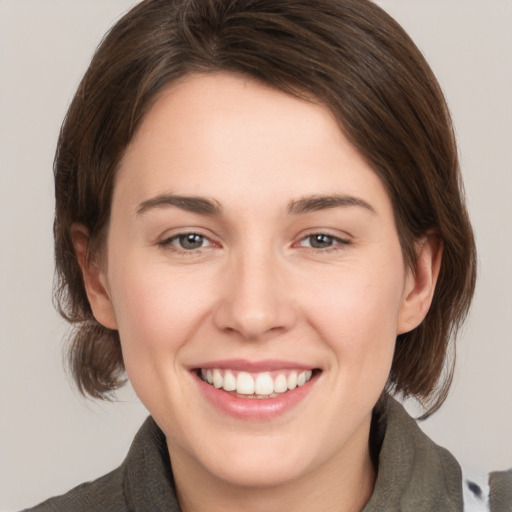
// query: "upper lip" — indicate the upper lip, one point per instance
point(244, 365)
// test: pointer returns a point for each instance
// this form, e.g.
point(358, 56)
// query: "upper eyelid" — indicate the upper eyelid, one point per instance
point(337, 240)
point(185, 233)
point(326, 232)
point(334, 233)
point(177, 232)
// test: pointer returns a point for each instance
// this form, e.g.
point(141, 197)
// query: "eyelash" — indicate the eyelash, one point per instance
point(337, 242)
point(169, 243)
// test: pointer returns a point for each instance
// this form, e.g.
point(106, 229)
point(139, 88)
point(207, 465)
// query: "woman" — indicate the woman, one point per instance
point(259, 218)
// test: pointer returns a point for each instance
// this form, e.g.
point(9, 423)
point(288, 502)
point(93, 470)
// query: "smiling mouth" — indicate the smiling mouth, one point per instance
point(262, 385)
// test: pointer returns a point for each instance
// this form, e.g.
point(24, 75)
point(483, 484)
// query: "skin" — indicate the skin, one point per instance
point(256, 289)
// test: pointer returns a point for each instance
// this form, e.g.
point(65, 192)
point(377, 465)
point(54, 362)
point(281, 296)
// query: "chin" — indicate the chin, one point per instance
point(257, 472)
point(249, 460)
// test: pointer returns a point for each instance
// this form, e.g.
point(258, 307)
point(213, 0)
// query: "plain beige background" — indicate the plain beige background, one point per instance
point(50, 438)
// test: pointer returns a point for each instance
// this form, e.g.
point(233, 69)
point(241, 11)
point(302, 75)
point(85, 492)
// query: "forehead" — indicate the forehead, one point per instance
point(209, 134)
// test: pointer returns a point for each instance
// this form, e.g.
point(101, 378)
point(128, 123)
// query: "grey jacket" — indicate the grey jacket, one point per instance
point(414, 475)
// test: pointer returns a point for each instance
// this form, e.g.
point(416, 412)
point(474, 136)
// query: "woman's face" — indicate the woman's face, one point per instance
point(251, 245)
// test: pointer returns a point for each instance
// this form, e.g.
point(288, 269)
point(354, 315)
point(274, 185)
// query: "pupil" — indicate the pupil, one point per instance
point(321, 241)
point(191, 241)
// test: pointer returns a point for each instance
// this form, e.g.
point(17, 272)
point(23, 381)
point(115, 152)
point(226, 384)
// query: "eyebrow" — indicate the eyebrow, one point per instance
point(193, 204)
point(316, 203)
point(299, 206)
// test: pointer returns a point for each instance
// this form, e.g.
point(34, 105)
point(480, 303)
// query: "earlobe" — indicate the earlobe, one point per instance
point(420, 283)
point(94, 277)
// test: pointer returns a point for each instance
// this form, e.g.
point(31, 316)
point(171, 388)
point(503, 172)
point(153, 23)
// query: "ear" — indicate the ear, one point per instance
point(420, 283)
point(94, 277)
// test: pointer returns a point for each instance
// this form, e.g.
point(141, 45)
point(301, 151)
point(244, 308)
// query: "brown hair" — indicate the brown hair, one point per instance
point(349, 55)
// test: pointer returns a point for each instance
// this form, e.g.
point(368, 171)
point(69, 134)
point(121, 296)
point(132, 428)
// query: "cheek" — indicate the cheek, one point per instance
point(157, 315)
point(157, 310)
point(356, 311)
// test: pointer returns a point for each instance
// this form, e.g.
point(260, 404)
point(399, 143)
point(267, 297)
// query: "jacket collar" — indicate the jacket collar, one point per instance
point(148, 484)
point(413, 472)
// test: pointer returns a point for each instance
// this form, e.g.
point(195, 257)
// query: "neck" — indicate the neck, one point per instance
point(343, 484)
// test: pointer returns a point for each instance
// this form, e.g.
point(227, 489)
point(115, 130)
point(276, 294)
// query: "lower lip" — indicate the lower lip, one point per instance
point(254, 408)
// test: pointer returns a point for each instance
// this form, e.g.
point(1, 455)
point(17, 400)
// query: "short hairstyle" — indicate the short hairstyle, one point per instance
point(346, 54)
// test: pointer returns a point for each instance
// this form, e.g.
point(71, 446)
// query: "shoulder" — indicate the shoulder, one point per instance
point(102, 495)
point(415, 474)
point(500, 494)
point(143, 482)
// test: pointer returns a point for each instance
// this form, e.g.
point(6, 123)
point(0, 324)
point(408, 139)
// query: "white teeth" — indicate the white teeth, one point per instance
point(229, 382)
point(263, 386)
point(292, 381)
point(217, 379)
point(245, 384)
point(280, 384)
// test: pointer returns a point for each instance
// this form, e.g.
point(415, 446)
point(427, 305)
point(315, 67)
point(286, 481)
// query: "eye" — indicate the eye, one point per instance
point(321, 241)
point(187, 241)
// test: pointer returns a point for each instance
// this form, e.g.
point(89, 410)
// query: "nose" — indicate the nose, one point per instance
point(255, 301)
